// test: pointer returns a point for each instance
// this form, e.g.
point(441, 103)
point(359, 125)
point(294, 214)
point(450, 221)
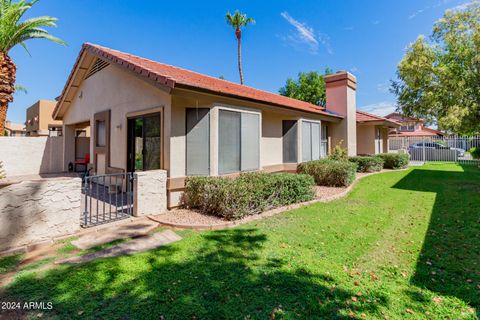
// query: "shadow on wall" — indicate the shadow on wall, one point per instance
point(449, 262)
point(52, 158)
point(31, 155)
point(14, 213)
point(225, 276)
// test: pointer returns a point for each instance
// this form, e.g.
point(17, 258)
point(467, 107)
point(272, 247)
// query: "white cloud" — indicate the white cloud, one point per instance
point(305, 35)
point(462, 6)
point(383, 87)
point(416, 13)
point(354, 69)
point(381, 108)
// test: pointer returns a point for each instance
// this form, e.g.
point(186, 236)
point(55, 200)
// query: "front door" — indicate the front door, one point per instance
point(144, 143)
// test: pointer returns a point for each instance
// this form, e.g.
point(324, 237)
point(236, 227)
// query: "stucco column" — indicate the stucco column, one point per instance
point(150, 192)
point(341, 98)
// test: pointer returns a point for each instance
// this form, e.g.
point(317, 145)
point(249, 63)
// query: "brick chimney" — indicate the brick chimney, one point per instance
point(341, 90)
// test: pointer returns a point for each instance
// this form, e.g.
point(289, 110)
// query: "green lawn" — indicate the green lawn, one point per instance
point(403, 244)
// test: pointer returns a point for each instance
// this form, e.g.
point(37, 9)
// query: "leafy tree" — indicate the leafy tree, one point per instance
point(439, 79)
point(13, 33)
point(309, 87)
point(237, 21)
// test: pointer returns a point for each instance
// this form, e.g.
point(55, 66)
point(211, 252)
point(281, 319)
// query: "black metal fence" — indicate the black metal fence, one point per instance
point(107, 198)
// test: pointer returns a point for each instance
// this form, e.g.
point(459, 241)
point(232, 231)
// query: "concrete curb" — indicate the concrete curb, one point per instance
point(269, 213)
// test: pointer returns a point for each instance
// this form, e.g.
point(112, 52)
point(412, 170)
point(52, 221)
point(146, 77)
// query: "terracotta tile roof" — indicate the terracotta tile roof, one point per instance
point(363, 116)
point(425, 132)
point(175, 77)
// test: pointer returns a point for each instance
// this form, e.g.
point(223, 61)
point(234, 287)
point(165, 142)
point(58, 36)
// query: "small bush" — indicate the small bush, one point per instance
point(338, 153)
point(249, 194)
point(394, 160)
point(475, 152)
point(330, 173)
point(2, 173)
point(367, 163)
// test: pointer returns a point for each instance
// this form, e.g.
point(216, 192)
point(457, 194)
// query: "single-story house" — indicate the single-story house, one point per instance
point(146, 115)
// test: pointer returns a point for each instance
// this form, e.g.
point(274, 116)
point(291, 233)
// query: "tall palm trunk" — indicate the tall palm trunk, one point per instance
point(238, 33)
point(8, 72)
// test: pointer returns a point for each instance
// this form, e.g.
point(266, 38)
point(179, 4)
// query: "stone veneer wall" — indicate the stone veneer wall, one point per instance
point(151, 192)
point(37, 211)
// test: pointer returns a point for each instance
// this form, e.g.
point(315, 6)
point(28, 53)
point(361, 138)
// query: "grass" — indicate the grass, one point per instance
point(402, 245)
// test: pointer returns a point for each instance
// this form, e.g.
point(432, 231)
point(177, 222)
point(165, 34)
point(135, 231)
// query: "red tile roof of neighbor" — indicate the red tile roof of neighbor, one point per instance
point(175, 77)
point(420, 133)
point(363, 116)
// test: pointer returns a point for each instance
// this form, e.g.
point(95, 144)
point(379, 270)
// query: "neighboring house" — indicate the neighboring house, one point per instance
point(40, 121)
point(411, 127)
point(14, 129)
point(145, 115)
point(372, 133)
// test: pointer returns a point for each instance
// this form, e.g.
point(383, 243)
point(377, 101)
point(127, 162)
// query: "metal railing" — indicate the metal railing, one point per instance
point(436, 148)
point(107, 198)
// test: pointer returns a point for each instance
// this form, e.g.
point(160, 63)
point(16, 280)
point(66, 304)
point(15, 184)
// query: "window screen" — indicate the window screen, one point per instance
point(101, 134)
point(289, 128)
point(306, 141)
point(198, 141)
point(250, 141)
point(238, 141)
point(310, 141)
point(229, 141)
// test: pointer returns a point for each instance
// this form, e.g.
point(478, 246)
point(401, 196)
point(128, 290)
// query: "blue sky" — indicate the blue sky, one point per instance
point(367, 38)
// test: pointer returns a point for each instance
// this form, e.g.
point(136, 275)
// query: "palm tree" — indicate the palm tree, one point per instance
point(237, 21)
point(12, 33)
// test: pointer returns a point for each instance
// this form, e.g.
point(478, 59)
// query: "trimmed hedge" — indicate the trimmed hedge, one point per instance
point(367, 163)
point(475, 152)
point(249, 194)
point(394, 160)
point(330, 173)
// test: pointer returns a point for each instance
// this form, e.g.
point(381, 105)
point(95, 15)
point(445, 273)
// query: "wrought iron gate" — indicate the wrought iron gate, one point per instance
point(107, 198)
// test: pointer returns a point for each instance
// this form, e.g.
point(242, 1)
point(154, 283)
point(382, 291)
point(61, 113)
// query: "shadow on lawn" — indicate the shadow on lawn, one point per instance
point(226, 277)
point(449, 262)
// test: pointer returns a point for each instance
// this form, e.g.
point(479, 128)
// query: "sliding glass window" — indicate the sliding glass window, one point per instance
point(310, 140)
point(198, 141)
point(238, 141)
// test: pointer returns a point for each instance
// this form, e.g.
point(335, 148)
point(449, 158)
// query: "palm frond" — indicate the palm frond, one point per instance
point(238, 19)
point(13, 32)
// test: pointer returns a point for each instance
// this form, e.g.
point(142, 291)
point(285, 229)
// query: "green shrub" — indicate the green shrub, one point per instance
point(367, 163)
point(249, 194)
point(2, 173)
point(394, 160)
point(329, 172)
point(475, 152)
point(338, 153)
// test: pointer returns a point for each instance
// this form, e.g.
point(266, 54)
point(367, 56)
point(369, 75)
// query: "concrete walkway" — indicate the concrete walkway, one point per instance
point(127, 248)
point(116, 232)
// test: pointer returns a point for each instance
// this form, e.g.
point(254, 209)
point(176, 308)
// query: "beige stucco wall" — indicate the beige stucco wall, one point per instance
point(123, 93)
point(42, 109)
point(37, 211)
point(365, 139)
point(31, 155)
point(367, 142)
